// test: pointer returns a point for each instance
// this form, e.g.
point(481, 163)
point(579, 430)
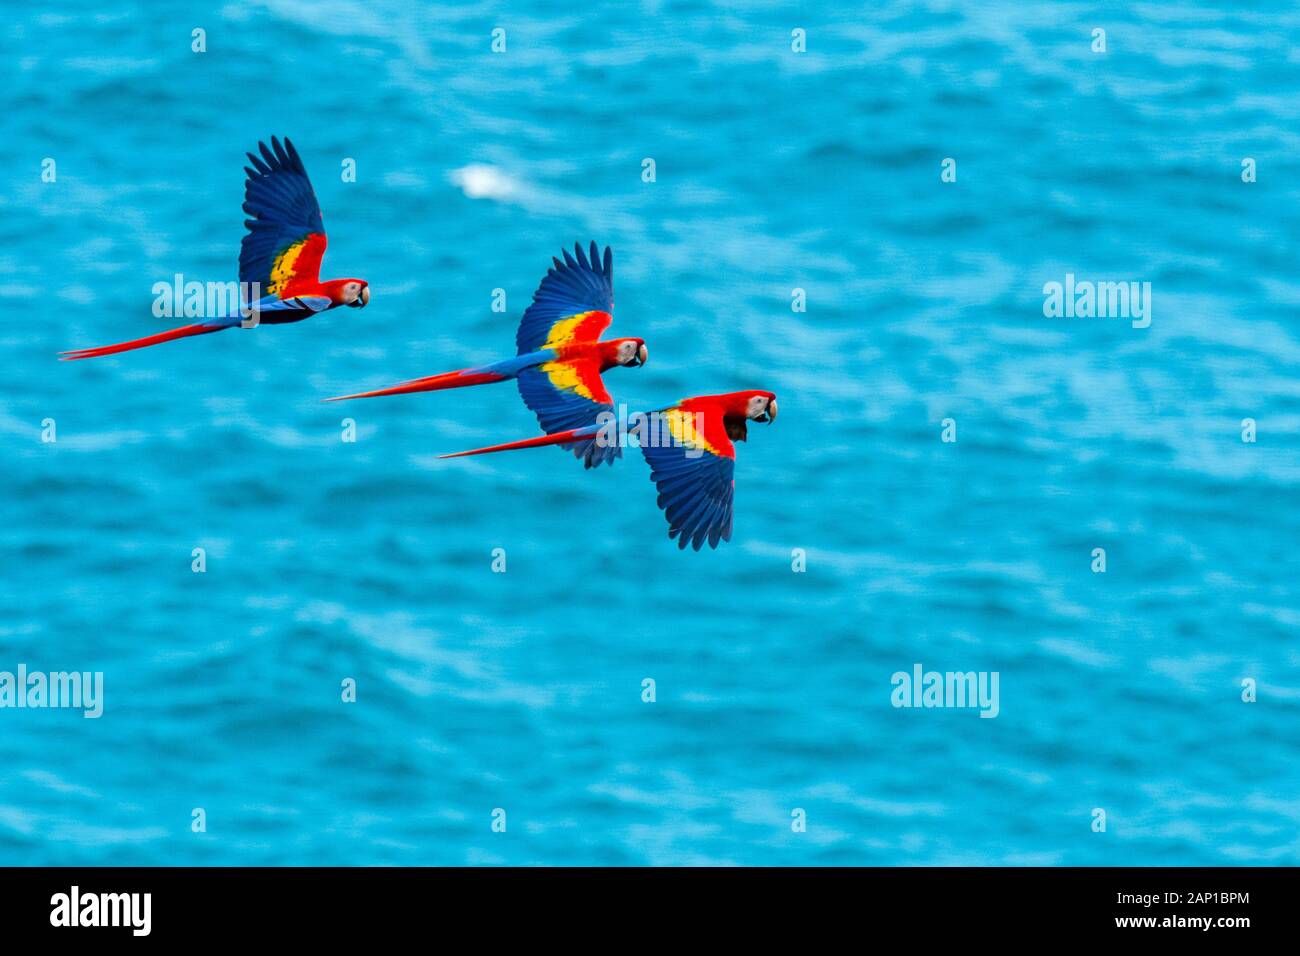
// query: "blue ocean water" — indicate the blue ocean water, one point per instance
point(522, 691)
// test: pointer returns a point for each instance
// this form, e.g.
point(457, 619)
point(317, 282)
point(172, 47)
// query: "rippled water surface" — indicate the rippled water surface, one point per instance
point(522, 690)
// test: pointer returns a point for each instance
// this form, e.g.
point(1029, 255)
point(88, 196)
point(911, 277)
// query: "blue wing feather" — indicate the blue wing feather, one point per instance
point(558, 411)
point(695, 493)
point(581, 283)
point(279, 198)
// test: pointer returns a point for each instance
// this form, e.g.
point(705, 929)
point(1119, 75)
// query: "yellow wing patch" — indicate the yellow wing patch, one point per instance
point(681, 425)
point(563, 331)
point(565, 377)
point(282, 271)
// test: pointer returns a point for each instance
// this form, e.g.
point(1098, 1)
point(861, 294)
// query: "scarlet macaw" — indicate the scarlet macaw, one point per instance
point(691, 456)
point(281, 253)
point(560, 356)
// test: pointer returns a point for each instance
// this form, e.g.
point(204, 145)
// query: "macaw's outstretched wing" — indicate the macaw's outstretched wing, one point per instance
point(573, 304)
point(566, 395)
point(692, 463)
point(286, 238)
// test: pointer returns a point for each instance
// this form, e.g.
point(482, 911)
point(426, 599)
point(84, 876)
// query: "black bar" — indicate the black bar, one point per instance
point(333, 905)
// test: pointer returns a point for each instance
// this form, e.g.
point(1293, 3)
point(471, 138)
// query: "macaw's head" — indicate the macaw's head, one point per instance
point(760, 406)
point(742, 407)
point(350, 292)
point(356, 293)
point(629, 352)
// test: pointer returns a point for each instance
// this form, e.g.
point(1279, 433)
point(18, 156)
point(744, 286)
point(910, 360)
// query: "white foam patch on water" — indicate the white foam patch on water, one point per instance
point(479, 181)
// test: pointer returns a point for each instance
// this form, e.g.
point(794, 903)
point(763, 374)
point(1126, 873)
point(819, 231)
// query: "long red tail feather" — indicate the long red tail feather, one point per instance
point(433, 383)
point(172, 334)
point(558, 438)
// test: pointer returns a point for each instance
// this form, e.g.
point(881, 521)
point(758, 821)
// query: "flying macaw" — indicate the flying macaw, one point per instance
point(281, 253)
point(691, 456)
point(560, 356)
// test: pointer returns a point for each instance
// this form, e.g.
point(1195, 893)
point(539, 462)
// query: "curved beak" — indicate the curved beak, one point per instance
point(642, 355)
point(363, 298)
point(771, 411)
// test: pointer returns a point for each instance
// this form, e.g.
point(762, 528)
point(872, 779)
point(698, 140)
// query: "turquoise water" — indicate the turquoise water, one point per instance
point(372, 560)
